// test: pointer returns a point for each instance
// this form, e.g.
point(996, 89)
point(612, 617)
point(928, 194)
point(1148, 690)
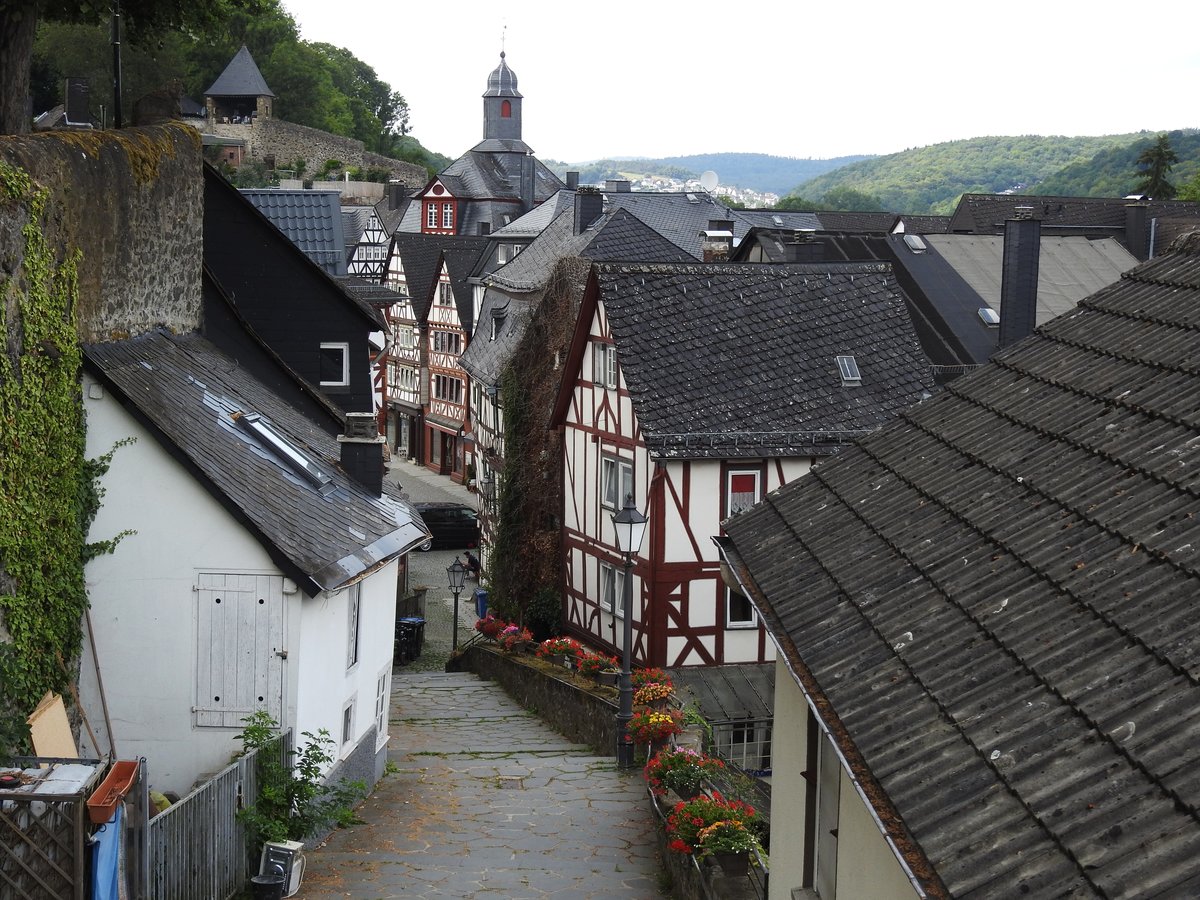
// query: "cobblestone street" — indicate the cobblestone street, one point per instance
point(483, 799)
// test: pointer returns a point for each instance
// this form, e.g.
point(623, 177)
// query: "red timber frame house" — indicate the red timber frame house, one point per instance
point(662, 405)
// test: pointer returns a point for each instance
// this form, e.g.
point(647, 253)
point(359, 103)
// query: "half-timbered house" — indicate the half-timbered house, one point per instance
point(696, 389)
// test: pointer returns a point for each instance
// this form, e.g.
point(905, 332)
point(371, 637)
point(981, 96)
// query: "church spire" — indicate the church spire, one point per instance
point(502, 104)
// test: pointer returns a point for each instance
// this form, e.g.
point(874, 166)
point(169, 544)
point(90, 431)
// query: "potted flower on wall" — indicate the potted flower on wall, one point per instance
point(653, 727)
point(681, 770)
point(514, 637)
point(653, 693)
point(594, 665)
point(557, 649)
point(710, 826)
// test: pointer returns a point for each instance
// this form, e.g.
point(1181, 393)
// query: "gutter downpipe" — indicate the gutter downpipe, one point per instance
point(737, 570)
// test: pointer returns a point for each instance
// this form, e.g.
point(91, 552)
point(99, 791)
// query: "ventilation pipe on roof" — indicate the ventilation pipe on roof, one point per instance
point(1019, 276)
point(362, 451)
point(527, 168)
point(572, 181)
point(589, 206)
point(1135, 230)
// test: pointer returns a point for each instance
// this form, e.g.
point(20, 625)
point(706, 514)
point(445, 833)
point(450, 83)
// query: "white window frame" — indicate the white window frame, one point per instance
point(347, 723)
point(431, 215)
point(447, 215)
point(383, 696)
point(731, 622)
point(604, 364)
point(730, 508)
point(344, 347)
point(615, 475)
point(612, 589)
point(445, 294)
point(353, 624)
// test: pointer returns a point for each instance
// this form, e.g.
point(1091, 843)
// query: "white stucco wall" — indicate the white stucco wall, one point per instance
point(144, 613)
point(867, 868)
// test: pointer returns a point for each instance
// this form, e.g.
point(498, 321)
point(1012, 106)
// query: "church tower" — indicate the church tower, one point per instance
point(502, 105)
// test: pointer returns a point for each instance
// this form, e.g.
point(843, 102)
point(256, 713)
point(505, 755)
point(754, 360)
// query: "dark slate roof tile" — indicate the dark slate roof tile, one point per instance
point(188, 392)
point(739, 360)
point(1015, 560)
point(241, 78)
point(312, 220)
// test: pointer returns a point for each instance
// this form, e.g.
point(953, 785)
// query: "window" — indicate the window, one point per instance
point(446, 387)
point(612, 589)
point(447, 342)
point(447, 215)
point(616, 482)
point(406, 337)
point(497, 326)
point(445, 296)
point(505, 109)
point(848, 368)
point(604, 365)
point(741, 492)
point(381, 706)
point(431, 215)
point(502, 253)
point(353, 608)
point(739, 611)
point(348, 722)
point(335, 365)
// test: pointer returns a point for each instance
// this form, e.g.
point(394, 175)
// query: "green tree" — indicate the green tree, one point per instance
point(1190, 190)
point(1154, 165)
point(18, 29)
point(851, 200)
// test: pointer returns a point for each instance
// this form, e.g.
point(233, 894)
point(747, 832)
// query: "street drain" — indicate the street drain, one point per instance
point(512, 783)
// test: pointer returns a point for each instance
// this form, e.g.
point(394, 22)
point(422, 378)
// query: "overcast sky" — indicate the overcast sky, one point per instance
point(816, 79)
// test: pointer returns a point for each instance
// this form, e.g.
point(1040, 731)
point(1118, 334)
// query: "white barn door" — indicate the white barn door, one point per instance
point(240, 651)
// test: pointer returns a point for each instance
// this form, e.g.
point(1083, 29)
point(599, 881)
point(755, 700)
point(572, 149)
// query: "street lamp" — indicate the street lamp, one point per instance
point(489, 491)
point(630, 526)
point(457, 574)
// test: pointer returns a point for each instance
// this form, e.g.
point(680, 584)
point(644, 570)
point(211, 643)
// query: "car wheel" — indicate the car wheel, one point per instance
point(428, 545)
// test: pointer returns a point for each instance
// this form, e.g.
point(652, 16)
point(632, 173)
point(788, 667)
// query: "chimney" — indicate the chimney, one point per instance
point(618, 186)
point(527, 169)
point(589, 206)
point(395, 193)
point(804, 247)
point(1136, 238)
point(572, 181)
point(716, 243)
point(362, 451)
point(1019, 276)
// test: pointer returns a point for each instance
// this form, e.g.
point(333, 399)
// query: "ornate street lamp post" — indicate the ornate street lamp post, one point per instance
point(630, 526)
point(457, 574)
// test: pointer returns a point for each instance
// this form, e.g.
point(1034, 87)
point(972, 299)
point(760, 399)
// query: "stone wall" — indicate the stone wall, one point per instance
point(580, 715)
point(288, 142)
point(131, 203)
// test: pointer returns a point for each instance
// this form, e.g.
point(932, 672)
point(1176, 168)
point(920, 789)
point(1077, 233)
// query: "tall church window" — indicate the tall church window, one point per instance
point(505, 110)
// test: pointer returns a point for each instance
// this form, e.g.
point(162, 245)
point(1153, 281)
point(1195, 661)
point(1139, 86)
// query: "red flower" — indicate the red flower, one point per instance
point(679, 846)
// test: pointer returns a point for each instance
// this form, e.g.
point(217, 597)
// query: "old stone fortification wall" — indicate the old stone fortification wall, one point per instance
point(288, 142)
point(131, 203)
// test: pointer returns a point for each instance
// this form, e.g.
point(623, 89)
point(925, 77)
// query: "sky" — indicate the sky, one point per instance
point(656, 79)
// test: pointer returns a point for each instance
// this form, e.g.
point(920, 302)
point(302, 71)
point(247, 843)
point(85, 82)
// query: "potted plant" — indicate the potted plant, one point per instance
point(728, 843)
point(490, 627)
point(681, 770)
point(651, 726)
point(556, 649)
point(653, 693)
point(641, 677)
point(514, 637)
point(592, 664)
point(737, 834)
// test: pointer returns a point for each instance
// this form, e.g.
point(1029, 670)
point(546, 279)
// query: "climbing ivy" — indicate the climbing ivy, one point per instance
point(47, 491)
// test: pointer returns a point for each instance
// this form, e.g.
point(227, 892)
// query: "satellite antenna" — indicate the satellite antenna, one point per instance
point(709, 181)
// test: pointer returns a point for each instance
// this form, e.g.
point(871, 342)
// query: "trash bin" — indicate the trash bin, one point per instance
point(480, 603)
point(268, 887)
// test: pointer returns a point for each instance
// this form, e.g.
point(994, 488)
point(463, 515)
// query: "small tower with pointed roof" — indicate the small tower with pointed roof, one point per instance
point(240, 93)
point(502, 105)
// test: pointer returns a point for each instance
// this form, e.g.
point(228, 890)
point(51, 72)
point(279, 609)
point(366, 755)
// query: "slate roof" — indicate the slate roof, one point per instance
point(995, 596)
point(515, 289)
point(875, 222)
point(312, 220)
point(186, 391)
point(375, 295)
point(729, 693)
point(727, 361)
point(241, 78)
point(925, 224)
point(421, 257)
point(986, 213)
point(770, 218)
point(354, 223)
point(461, 255)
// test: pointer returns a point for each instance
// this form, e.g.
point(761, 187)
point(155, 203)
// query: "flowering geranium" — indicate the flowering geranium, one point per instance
point(681, 769)
point(690, 818)
point(513, 636)
point(652, 691)
point(650, 725)
point(725, 836)
point(591, 663)
point(558, 645)
point(640, 677)
point(489, 626)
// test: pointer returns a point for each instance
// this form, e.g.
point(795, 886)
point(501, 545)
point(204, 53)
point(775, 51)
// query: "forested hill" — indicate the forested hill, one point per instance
point(754, 171)
point(1111, 172)
point(931, 179)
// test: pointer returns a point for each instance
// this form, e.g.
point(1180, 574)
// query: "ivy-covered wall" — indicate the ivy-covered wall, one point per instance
point(99, 238)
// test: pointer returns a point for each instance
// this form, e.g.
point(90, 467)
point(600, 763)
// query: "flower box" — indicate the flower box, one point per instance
point(111, 791)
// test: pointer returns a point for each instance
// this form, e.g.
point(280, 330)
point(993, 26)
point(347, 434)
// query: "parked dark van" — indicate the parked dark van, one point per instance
point(453, 526)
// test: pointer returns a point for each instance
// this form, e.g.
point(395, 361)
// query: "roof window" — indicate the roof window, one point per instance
point(990, 318)
point(915, 244)
point(282, 449)
point(848, 368)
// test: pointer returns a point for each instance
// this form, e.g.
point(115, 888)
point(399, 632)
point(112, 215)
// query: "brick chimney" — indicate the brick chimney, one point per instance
point(716, 243)
point(362, 451)
point(1136, 238)
point(589, 206)
point(1019, 276)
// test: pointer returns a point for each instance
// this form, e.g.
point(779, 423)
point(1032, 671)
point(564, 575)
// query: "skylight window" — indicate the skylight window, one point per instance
point(915, 244)
point(990, 318)
point(291, 456)
point(848, 368)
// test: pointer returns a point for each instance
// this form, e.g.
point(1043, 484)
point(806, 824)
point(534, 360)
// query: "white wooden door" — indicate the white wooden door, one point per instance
point(240, 651)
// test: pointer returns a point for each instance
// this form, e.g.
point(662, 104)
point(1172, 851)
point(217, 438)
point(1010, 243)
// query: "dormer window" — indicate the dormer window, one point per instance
point(447, 215)
point(848, 368)
point(335, 365)
point(989, 317)
point(431, 215)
